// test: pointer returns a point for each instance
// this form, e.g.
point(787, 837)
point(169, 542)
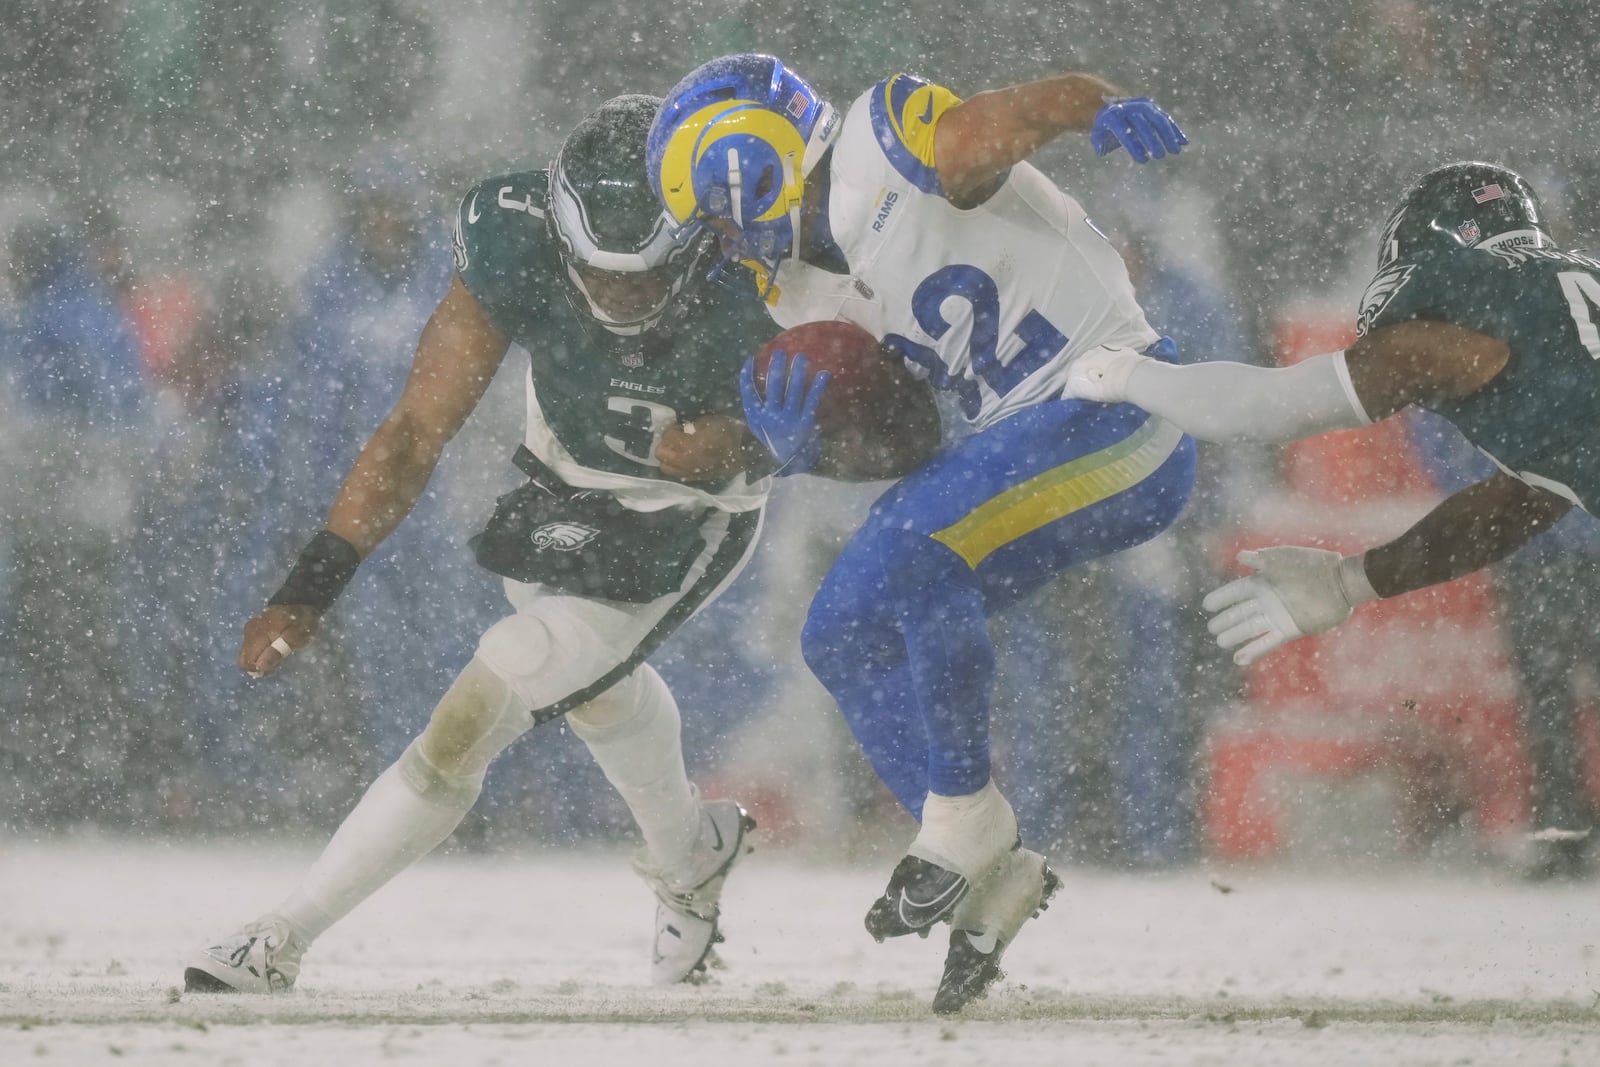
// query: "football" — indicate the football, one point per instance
point(877, 420)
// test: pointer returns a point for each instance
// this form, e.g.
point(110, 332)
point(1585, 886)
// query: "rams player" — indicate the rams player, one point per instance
point(915, 215)
point(644, 499)
point(1475, 314)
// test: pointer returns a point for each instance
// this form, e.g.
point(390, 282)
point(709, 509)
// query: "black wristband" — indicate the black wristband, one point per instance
point(324, 568)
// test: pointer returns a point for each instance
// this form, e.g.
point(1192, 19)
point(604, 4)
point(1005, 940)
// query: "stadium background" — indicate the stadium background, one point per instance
point(209, 161)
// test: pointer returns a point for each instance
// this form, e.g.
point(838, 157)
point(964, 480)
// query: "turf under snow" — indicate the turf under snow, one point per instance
point(542, 960)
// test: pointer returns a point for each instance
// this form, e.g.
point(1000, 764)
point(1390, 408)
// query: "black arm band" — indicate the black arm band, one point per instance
point(324, 568)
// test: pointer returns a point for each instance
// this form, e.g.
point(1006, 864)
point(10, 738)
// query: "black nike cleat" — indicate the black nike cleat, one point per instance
point(919, 894)
point(985, 926)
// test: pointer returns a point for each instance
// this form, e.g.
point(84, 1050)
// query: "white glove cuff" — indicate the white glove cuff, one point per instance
point(1353, 583)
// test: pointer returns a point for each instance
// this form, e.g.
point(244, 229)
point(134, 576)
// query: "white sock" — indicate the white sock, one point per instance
point(633, 732)
point(405, 814)
point(966, 834)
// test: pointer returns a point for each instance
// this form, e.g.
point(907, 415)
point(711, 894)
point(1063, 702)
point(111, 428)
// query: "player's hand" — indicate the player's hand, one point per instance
point(1294, 592)
point(1138, 125)
point(1102, 374)
point(703, 449)
point(275, 632)
point(785, 420)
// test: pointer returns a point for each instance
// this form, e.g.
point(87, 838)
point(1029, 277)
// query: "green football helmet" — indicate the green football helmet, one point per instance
point(607, 221)
point(1463, 205)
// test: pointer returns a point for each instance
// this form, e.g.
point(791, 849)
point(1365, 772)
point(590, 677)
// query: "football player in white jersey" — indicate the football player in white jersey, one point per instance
point(915, 215)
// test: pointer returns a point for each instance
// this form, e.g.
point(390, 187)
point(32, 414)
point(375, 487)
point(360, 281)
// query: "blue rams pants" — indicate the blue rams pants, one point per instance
point(898, 631)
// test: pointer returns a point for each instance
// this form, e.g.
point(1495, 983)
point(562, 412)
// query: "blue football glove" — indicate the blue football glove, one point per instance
point(1138, 125)
point(786, 420)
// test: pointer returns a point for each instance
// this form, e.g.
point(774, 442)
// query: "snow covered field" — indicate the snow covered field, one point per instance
point(542, 960)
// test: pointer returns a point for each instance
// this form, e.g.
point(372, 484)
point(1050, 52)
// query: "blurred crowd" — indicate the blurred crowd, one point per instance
point(224, 231)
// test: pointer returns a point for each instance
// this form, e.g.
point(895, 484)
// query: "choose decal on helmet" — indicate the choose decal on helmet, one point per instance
point(1463, 205)
point(604, 215)
point(735, 140)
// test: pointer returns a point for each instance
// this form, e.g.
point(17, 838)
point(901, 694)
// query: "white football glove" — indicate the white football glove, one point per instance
point(1294, 592)
point(1102, 374)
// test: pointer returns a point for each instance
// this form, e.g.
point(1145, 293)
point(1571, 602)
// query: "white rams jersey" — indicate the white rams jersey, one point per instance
point(992, 302)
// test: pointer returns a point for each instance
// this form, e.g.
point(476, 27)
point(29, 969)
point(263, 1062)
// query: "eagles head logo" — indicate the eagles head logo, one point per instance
point(563, 536)
point(1379, 292)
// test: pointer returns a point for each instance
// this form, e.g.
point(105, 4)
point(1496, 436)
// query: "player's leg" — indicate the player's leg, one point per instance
point(979, 527)
point(633, 731)
point(556, 651)
point(1117, 478)
point(852, 642)
point(406, 813)
point(631, 725)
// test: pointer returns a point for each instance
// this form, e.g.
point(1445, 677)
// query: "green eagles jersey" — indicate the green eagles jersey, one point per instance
point(1540, 417)
point(598, 402)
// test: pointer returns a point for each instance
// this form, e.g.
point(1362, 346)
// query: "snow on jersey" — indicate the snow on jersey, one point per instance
point(992, 302)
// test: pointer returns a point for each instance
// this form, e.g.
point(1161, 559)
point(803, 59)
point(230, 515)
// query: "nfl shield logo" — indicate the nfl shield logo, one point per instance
point(633, 359)
point(1469, 230)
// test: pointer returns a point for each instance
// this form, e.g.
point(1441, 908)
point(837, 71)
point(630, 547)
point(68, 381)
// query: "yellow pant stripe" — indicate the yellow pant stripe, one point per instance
point(1060, 491)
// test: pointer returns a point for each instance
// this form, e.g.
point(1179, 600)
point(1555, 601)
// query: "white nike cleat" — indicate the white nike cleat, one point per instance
point(263, 957)
point(689, 898)
point(986, 921)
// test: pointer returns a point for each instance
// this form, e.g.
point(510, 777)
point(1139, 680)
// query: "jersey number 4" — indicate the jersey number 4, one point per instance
point(1040, 339)
point(1582, 291)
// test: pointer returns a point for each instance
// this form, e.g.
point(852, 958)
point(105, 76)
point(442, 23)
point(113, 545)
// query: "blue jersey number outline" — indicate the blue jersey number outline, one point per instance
point(1040, 338)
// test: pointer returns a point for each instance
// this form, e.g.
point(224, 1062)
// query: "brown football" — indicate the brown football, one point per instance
point(877, 420)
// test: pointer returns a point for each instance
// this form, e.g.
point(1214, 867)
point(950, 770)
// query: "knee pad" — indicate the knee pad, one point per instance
point(632, 704)
point(473, 722)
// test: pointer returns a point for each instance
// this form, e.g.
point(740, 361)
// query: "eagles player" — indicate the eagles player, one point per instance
point(644, 499)
point(916, 216)
point(1473, 314)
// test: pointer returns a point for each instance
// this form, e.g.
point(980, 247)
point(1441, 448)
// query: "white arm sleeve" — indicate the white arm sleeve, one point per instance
point(1221, 401)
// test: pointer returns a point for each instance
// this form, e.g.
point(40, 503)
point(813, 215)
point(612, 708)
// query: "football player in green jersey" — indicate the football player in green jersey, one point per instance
point(644, 498)
point(1474, 314)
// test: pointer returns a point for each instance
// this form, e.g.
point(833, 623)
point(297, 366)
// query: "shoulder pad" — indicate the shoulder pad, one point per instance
point(905, 111)
point(495, 209)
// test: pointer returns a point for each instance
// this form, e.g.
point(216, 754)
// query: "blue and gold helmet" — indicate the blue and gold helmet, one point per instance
point(735, 140)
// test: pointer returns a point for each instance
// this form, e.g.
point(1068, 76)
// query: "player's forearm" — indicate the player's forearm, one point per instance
point(385, 484)
point(1478, 526)
point(999, 128)
point(1222, 401)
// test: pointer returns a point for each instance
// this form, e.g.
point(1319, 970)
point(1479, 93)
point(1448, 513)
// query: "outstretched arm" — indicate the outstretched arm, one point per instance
point(981, 137)
point(1480, 525)
point(457, 357)
point(1297, 591)
point(1405, 363)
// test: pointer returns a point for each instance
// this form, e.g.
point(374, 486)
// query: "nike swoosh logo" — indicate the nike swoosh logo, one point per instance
point(919, 913)
point(472, 208)
point(927, 116)
point(718, 846)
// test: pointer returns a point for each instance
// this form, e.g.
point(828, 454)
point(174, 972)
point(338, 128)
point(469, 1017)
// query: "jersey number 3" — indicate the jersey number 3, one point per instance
point(1040, 339)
